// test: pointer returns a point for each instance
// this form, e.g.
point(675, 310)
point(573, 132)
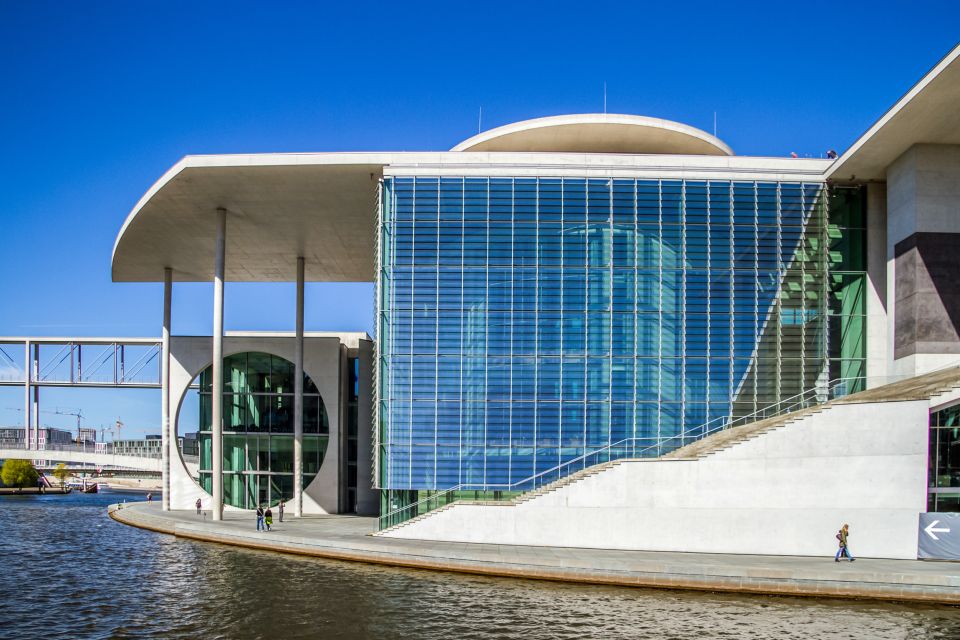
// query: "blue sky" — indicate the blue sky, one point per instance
point(100, 98)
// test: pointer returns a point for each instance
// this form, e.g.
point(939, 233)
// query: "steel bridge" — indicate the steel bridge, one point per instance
point(101, 455)
point(111, 363)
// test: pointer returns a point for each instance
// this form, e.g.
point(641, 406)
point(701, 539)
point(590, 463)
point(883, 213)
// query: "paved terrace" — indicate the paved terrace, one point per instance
point(347, 538)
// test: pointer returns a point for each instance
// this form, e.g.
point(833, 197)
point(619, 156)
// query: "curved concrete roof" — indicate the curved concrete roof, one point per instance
point(598, 133)
point(279, 207)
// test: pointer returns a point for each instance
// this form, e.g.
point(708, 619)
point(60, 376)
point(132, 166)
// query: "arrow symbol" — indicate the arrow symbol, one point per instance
point(930, 531)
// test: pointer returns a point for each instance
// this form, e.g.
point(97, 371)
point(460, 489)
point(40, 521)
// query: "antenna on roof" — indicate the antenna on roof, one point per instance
point(714, 124)
point(480, 120)
point(604, 96)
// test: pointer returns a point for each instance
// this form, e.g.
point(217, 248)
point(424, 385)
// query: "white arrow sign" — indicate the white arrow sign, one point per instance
point(930, 531)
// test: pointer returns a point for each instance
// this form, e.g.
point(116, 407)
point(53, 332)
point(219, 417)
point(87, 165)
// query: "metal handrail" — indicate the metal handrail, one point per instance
point(52, 366)
point(106, 354)
point(787, 405)
point(142, 362)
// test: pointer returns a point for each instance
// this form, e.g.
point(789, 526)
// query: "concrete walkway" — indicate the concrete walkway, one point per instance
point(347, 538)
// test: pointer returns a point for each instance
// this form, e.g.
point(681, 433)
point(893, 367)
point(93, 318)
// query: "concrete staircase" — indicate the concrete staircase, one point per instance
point(919, 388)
point(728, 438)
point(710, 445)
point(564, 481)
point(926, 386)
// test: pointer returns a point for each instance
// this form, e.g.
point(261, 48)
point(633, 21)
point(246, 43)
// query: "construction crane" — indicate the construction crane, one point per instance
point(67, 412)
point(59, 412)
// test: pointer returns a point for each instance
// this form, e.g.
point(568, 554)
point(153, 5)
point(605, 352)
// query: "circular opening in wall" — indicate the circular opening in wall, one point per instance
point(258, 415)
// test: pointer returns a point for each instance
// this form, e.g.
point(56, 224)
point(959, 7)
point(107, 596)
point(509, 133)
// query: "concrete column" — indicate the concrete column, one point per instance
point(368, 498)
point(169, 441)
point(35, 395)
point(298, 399)
point(343, 399)
point(216, 394)
point(27, 409)
point(876, 291)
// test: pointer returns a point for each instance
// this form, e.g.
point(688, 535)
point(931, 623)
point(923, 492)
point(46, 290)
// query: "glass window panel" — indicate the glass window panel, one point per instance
point(556, 300)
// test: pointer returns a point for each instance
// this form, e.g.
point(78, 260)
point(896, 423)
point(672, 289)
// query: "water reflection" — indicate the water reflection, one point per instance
point(81, 575)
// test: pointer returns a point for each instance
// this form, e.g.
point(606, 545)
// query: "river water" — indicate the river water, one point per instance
point(68, 571)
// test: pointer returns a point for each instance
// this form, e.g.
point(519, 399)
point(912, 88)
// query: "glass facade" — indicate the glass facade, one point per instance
point(847, 237)
point(523, 322)
point(943, 475)
point(258, 399)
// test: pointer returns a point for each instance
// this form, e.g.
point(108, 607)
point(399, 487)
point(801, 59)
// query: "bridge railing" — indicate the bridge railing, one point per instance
point(108, 449)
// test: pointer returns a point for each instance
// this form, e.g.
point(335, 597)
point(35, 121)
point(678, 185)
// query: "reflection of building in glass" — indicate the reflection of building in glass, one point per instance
point(189, 444)
point(258, 429)
point(527, 321)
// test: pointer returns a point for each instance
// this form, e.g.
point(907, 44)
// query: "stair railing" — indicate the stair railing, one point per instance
point(625, 449)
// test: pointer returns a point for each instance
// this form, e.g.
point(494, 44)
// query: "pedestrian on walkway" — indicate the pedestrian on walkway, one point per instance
point(259, 517)
point(844, 550)
point(280, 509)
point(149, 497)
point(268, 518)
point(198, 506)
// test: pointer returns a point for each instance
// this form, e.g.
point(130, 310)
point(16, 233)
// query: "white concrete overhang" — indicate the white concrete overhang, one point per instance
point(928, 113)
point(322, 206)
point(598, 133)
point(279, 207)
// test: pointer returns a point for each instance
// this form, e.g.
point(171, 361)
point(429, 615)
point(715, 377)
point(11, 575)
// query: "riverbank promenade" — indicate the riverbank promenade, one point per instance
point(348, 538)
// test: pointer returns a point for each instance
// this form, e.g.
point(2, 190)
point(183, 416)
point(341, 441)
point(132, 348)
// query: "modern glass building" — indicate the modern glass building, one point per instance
point(524, 322)
point(571, 288)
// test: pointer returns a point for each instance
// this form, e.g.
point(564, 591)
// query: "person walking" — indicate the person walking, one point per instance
point(268, 518)
point(259, 517)
point(149, 497)
point(198, 506)
point(844, 549)
point(280, 510)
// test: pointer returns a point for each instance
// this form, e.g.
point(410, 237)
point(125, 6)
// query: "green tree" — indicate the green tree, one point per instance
point(61, 473)
point(18, 473)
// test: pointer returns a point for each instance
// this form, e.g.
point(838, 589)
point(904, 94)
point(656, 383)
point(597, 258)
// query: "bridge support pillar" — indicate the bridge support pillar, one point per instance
point(216, 394)
point(35, 396)
point(298, 398)
point(27, 408)
point(169, 441)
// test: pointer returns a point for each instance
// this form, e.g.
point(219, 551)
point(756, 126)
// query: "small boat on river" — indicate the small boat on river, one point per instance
point(85, 487)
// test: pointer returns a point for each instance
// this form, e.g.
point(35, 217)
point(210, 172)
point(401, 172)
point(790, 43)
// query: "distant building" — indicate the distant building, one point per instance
point(189, 444)
point(14, 436)
point(147, 447)
point(151, 446)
